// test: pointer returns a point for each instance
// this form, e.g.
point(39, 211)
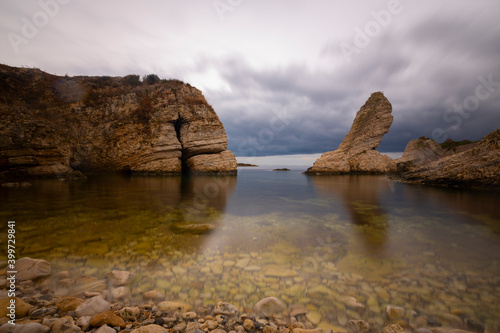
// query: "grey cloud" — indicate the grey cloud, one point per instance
point(447, 69)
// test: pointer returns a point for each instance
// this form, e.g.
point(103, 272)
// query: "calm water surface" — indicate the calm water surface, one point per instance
point(310, 240)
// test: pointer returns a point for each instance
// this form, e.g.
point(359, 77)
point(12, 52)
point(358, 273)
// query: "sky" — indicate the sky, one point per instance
point(284, 76)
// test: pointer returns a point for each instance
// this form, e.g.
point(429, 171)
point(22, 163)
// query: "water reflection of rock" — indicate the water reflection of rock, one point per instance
point(360, 195)
point(203, 199)
point(95, 216)
point(469, 206)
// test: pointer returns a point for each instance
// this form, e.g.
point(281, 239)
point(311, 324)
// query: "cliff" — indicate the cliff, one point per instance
point(55, 126)
point(420, 152)
point(471, 165)
point(357, 152)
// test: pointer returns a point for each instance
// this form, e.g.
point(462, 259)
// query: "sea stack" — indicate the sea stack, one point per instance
point(357, 153)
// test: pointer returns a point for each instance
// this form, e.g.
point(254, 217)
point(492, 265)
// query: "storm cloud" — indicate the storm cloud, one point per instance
point(285, 77)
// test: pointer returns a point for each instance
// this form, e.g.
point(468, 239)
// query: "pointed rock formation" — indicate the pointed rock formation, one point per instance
point(56, 126)
point(356, 153)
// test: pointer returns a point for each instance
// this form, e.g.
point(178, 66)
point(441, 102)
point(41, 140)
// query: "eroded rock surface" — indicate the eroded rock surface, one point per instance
point(356, 153)
point(478, 166)
point(63, 127)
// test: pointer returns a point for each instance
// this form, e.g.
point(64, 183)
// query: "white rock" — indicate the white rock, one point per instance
point(153, 295)
point(352, 302)
point(92, 306)
point(65, 325)
point(84, 322)
point(29, 269)
point(120, 293)
point(269, 306)
point(119, 278)
point(105, 329)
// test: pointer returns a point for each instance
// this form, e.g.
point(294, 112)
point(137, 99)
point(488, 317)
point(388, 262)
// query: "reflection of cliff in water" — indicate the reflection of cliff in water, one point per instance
point(204, 198)
point(360, 196)
point(471, 206)
point(100, 214)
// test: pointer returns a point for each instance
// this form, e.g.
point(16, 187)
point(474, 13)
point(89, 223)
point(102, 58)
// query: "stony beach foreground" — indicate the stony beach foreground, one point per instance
point(105, 306)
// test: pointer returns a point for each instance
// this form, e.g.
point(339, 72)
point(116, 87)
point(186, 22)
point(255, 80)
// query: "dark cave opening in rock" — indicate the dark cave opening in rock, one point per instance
point(177, 126)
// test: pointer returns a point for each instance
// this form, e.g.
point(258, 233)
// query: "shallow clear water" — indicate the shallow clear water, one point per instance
point(310, 240)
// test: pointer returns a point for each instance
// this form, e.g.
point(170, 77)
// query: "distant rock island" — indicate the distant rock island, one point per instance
point(65, 127)
point(247, 165)
point(463, 164)
point(357, 152)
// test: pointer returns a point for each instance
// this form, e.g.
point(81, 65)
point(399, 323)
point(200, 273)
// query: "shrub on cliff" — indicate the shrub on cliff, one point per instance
point(151, 79)
point(132, 80)
point(144, 110)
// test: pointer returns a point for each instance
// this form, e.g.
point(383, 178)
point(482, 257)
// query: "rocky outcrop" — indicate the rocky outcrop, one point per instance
point(56, 126)
point(420, 152)
point(477, 166)
point(356, 153)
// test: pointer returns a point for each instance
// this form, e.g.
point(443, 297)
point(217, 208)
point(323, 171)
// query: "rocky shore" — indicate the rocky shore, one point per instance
point(424, 160)
point(471, 165)
point(104, 306)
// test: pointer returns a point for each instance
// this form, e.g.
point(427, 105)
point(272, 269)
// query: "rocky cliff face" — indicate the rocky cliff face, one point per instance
point(420, 152)
point(476, 166)
point(357, 152)
point(63, 126)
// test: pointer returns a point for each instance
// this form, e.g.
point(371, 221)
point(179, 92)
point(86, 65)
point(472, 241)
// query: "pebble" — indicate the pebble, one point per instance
point(107, 318)
point(21, 307)
point(358, 326)
point(190, 315)
point(152, 328)
point(303, 330)
point(24, 328)
point(83, 322)
point(40, 313)
point(105, 329)
point(269, 306)
point(248, 325)
point(191, 327)
point(352, 302)
point(153, 295)
point(314, 317)
point(30, 269)
point(174, 306)
point(120, 293)
point(130, 313)
point(179, 327)
point(92, 306)
point(393, 312)
point(226, 309)
point(393, 328)
point(65, 325)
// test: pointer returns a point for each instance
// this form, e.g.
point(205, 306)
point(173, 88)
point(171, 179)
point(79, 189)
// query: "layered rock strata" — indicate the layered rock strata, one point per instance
point(420, 152)
point(56, 126)
point(357, 152)
point(476, 166)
